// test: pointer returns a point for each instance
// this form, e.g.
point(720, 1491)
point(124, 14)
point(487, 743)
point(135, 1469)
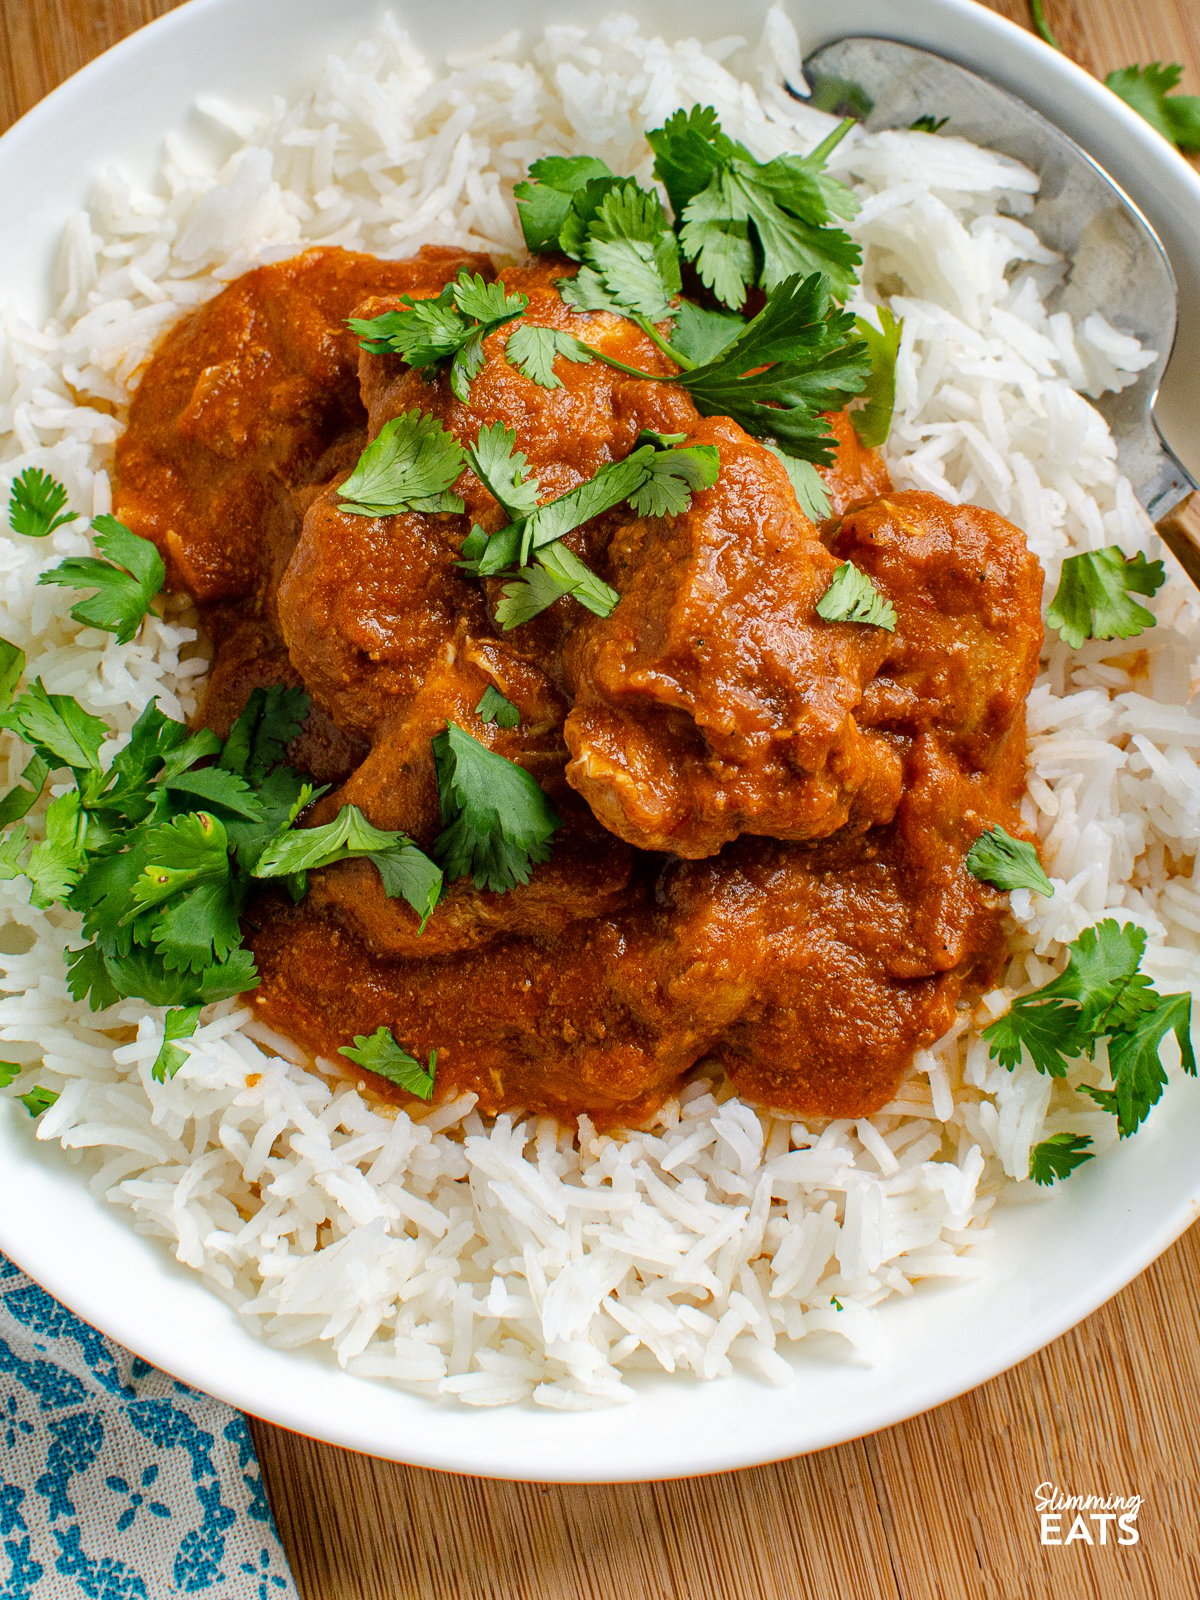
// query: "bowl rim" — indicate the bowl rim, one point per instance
point(120, 1319)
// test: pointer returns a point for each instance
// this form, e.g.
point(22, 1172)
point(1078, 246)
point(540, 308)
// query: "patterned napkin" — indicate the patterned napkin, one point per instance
point(116, 1482)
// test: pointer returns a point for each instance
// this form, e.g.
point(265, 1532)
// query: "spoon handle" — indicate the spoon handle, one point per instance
point(1179, 530)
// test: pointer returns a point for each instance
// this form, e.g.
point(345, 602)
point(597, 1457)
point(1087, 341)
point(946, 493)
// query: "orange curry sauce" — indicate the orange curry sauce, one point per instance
point(765, 815)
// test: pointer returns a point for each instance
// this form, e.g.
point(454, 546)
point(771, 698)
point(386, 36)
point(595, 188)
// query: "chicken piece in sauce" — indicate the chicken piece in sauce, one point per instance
point(765, 816)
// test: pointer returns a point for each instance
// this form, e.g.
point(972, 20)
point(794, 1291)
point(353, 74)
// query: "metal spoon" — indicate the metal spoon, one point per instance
point(1117, 264)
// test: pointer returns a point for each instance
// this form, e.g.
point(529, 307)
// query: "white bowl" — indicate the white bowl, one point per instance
point(1047, 1265)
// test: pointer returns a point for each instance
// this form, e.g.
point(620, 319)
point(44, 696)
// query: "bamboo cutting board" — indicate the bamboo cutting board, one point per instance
point(940, 1508)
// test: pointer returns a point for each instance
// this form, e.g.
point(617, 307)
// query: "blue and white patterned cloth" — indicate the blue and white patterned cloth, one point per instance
point(116, 1482)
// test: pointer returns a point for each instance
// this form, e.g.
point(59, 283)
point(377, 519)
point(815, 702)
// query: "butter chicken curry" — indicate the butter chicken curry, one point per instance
point(763, 814)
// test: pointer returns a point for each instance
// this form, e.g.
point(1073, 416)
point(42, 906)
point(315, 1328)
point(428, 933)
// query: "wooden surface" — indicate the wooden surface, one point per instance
point(939, 1507)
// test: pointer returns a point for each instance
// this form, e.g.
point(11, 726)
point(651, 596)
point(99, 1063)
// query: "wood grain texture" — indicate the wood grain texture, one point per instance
point(939, 1508)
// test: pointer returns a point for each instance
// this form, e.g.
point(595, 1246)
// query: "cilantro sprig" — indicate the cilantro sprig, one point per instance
point(380, 1053)
point(746, 222)
point(873, 420)
point(1101, 995)
point(449, 327)
point(493, 707)
point(1094, 598)
point(159, 851)
point(657, 479)
point(498, 822)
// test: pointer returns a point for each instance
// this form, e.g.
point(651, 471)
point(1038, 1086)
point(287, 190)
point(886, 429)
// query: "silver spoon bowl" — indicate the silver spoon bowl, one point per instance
point(1116, 264)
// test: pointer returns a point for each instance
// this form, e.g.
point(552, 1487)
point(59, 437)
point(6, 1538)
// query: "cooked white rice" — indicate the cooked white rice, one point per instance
point(498, 1261)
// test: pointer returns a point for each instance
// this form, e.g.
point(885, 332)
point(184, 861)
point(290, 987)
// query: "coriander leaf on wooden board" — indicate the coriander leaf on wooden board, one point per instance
point(852, 597)
point(178, 1024)
point(1151, 91)
point(1094, 598)
point(493, 707)
point(1041, 26)
point(873, 420)
point(126, 581)
point(1007, 863)
point(497, 821)
point(1059, 1156)
point(37, 504)
point(410, 465)
point(379, 1053)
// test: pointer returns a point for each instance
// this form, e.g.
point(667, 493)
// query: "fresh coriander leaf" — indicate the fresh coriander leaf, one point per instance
point(796, 360)
point(407, 873)
point(1048, 1030)
point(700, 334)
point(1058, 1156)
point(873, 421)
point(1007, 863)
point(181, 854)
point(12, 665)
point(56, 862)
point(405, 870)
point(214, 786)
point(283, 794)
point(629, 253)
point(1150, 91)
point(35, 504)
point(513, 545)
point(1094, 595)
point(673, 477)
point(1133, 1058)
point(811, 494)
point(12, 854)
point(502, 468)
point(532, 350)
point(125, 582)
point(21, 799)
point(557, 572)
point(88, 978)
point(379, 1053)
point(38, 1100)
point(450, 326)
point(57, 727)
point(409, 466)
point(498, 823)
point(178, 1024)
point(128, 793)
point(928, 124)
point(544, 200)
point(200, 926)
point(142, 973)
point(10, 1071)
point(841, 97)
point(493, 707)
point(753, 222)
point(259, 738)
point(852, 597)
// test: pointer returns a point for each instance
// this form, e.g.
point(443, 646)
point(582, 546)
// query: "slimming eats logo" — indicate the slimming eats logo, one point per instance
point(1086, 1518)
